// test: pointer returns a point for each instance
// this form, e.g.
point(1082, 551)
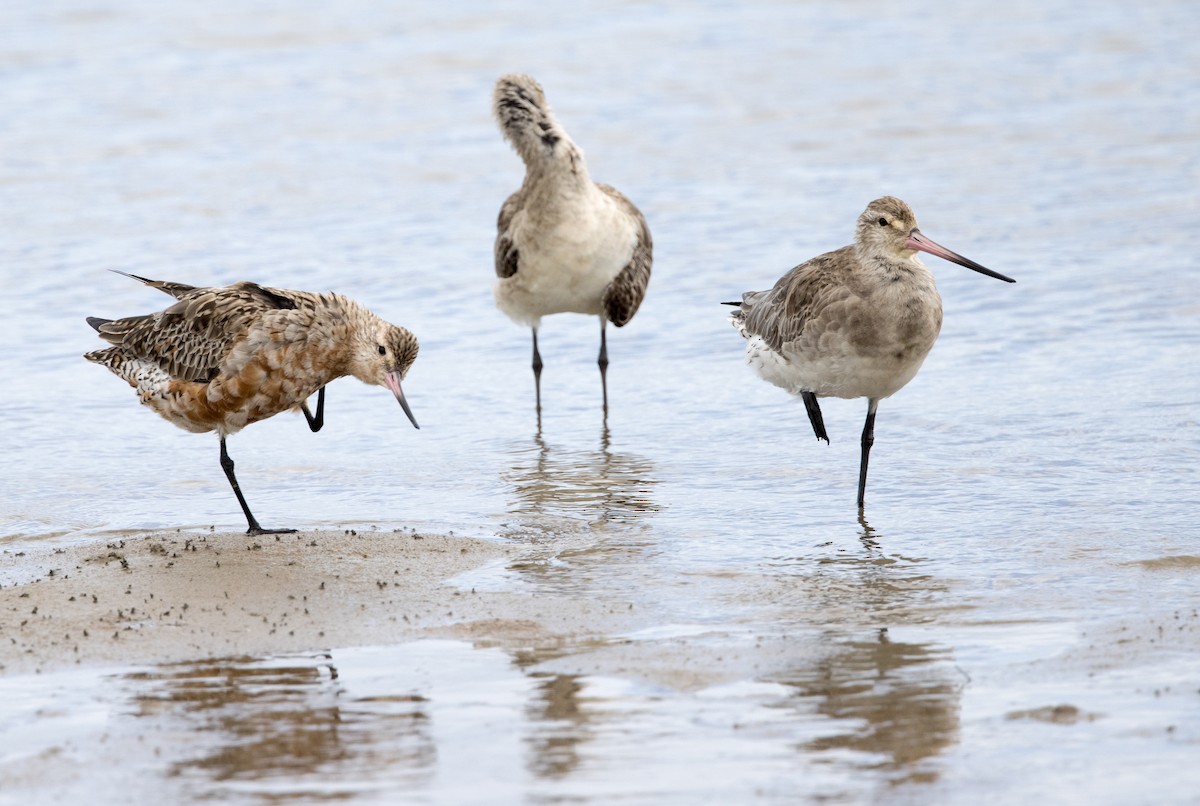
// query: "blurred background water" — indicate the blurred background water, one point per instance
point(1036, 481)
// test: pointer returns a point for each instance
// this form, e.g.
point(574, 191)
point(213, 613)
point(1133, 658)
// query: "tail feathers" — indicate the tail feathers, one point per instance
point(526, 120)
point(738, 314)
point(109, 357)
point(115, 331)
point(150, 380)
point(741, 309)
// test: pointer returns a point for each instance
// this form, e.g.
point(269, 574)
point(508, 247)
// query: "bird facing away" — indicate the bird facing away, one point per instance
point(564, 243)
point(222, 358)
point(855, 322)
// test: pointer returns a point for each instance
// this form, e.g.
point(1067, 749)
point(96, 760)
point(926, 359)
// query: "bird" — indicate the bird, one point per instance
point(219, 359)
point(564, 244)
point(854, 322)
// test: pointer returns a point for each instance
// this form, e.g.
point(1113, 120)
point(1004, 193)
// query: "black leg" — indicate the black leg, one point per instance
point(537, 376)
point(255, 529)
point(315, 423)
point(814, 415)
point(868, 439)
point(602, 361)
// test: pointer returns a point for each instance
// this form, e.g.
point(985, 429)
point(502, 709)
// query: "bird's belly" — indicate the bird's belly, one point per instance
point(538, 291)
point(562, 273)
point(834, 373)
point(259, 390)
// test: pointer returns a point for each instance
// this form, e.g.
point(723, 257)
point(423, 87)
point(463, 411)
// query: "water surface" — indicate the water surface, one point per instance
point(1030, 528)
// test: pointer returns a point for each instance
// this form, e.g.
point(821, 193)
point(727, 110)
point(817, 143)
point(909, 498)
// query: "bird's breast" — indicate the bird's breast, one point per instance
point(896, 321)
point(566, 261)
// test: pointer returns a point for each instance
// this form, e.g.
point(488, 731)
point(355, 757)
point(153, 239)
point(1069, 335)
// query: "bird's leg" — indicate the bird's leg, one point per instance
point(255, 529)
point(315, 423)
point(602, 361)
point(537, 376)
point(868, 439)
point(814, 415)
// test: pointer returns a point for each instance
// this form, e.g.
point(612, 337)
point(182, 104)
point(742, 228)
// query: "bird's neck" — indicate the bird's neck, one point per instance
point(561, 170)
point(885, 269)
point(336, 329)
point(559, 190)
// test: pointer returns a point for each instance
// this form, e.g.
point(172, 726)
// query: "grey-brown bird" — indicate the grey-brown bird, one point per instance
point(855, 322)
point(564, 243)
point(222, 358)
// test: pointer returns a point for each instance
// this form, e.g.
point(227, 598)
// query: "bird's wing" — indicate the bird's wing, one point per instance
point(506, 253)
point(177, 290)
point(190, 339)
point(781, 316)
point(626, 291)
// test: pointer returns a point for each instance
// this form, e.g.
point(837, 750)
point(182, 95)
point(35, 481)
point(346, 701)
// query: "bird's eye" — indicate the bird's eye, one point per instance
point(382, 350)
point(883, 222)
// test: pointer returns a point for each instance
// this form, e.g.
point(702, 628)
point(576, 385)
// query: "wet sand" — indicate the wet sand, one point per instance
point(170, 597)
point(324, 662)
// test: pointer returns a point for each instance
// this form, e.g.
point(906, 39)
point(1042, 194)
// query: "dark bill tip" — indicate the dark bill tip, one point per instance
point(917, 240)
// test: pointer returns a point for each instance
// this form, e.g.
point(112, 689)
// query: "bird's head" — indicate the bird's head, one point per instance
point(885, 226)
point(383, 356)
point(888, 229)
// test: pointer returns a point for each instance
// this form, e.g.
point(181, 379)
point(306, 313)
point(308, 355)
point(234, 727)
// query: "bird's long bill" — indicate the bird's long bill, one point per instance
point(392, 379)
point(918, 241)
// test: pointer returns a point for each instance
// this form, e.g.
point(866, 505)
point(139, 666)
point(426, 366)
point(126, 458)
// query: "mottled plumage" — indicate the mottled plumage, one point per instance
point(855, 322)
point(222, 358)
point(564, 243)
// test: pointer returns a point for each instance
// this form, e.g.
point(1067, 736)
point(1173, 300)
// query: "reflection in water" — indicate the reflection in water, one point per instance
point(562, 501)
point(286, 723)
point(559, 725)
point(897, 702)
point(903, 698)
point(869, 584)
point(599, 486)
point(867, 535)
point(558, 492)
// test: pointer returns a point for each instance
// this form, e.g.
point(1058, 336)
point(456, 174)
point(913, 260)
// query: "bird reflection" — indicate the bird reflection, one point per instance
point(286, 721)
point(867, 580)
point(903, 698)
point(552, 484)
point(891, 700)
point(867, 535)
point(560, 723)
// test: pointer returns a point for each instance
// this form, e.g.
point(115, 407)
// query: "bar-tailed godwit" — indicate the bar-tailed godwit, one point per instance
point(564, 243)
point(855, 322)
point(222, 358)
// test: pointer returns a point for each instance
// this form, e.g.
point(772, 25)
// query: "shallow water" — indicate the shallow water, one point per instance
point(1031, 527)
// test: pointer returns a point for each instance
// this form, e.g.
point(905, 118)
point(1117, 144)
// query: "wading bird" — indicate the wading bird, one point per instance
point(222, 358)
point(855, 322)
point(564, 243)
